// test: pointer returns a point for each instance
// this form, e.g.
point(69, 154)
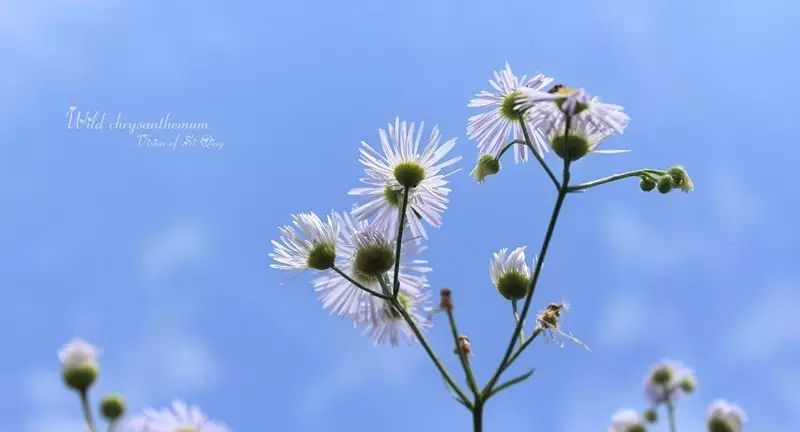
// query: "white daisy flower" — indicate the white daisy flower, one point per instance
point(627, 421)
point(386, 324)
point(725, 417)
point(364, 247)
point(584, 137)
point(180, 418)
point(310, 243)
point(495, 128)
point(573, 102)
point(78, 353)
point(668, 380)
point(403, 165)
point(510, 273)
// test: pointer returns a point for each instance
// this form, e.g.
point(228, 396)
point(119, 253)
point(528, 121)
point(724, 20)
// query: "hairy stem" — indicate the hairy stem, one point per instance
point(87, 411)
point(396, 280)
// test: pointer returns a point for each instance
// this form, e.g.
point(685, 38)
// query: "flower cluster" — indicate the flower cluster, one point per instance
point(371, 274)
point(80, 369)
point(664, 384)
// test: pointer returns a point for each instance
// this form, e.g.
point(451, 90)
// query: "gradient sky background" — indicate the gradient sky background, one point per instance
point(160, 256)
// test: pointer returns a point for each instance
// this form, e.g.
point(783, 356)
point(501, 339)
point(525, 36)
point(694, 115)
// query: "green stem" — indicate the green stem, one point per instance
point(562, 194)
point(396, 280)
point(477, 416)
point(614, 177)
point(671, 415)
point(357, 284)
point(424, 342)
point(87, 411)
point(508, 146)
point(516, 320)
point(462, 355)
point(538, 156)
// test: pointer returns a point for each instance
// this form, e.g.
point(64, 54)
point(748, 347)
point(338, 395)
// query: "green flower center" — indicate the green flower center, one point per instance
point(719, 425)
point(636, 428)
point(186, 429)
point(321, 256)
point(662, 375)
point(393, 197)
point(513, 285)
point(372, 261)
point(508, 107)
point(391, 312)
point(576, 146)
point(409, 174)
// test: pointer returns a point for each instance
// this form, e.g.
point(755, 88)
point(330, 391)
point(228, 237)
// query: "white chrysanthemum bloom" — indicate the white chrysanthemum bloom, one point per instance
point(725, 417)
point(510, 273)
point(78, 353)
point(364, 250)
point(386, 324)
point(573, 102)
point(310, 243)
point(668, 380)
point(626, 421)
point(180, 418)
point(402, 164)
point(500, 125)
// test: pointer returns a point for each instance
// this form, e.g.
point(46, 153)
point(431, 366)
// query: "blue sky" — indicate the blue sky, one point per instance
point(160, 256)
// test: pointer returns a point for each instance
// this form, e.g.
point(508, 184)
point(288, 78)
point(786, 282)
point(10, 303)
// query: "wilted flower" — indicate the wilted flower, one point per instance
point(725, 417)
point(403, 165)
point(494, 128)
point(463, 345)
point(487, 165)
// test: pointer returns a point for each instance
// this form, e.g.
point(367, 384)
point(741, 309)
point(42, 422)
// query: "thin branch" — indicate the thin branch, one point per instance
point(508, 146)
point(538, 156)
point(357, 284)
point(87, 411)
point(462, 355)
point(424, 342)
point(612, 178)
point(516, 321)
point(562, 193)
point(511, 382)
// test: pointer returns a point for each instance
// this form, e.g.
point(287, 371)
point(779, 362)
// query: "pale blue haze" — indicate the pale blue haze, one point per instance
point(160, 257)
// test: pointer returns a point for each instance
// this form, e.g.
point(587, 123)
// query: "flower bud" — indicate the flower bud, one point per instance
point(409, 174)
point(647, 184)
point(719, 425)
point(112, 407)
point(487, 165)
point(575, 146)
point(79, 368)
point(651, 415)
point(463, 346)
point(446, 299)
point(680, 178)
point(514, 285)
point(80, 377)
point(664, 184)
point(689, 384)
